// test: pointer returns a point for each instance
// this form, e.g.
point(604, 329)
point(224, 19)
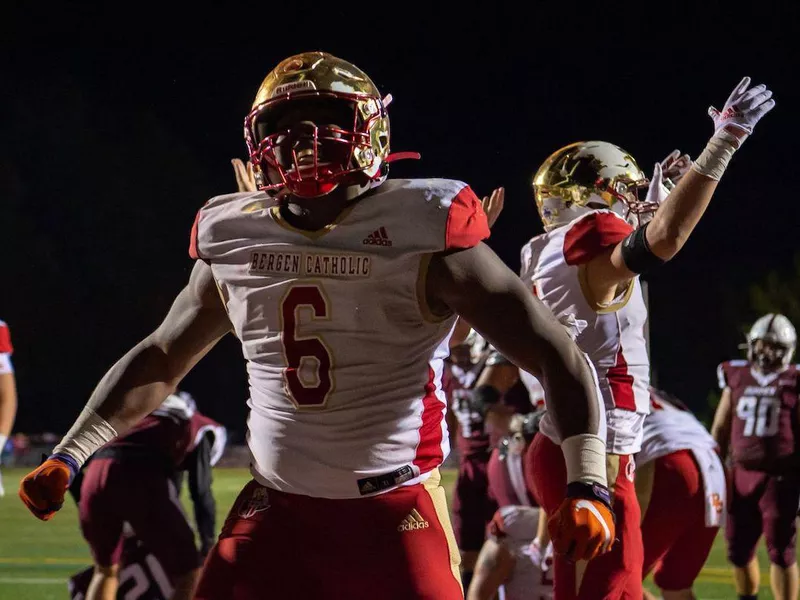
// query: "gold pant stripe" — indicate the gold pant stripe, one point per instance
point(439, 500)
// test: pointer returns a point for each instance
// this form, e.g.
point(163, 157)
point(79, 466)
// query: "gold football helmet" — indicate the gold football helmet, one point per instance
point(587, 176)
point(312, 156)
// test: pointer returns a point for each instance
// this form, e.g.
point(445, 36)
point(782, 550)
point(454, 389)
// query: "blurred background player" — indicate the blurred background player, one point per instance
point(505, 473)
point(475, 433)
point(605, 224)
point(516, 559)
point(343, 288)
point(8, 392)
point(680, 482)
point(757, 420)
point(510, 565)
point(128, 493)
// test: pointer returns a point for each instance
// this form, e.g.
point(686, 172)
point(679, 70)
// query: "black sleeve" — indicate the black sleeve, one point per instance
point(198, 464)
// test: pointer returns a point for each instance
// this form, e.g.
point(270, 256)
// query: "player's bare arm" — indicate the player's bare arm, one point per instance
point(663, 237)
point(135, 386)
point(475, 284)
point(494, 566)
point(492, 206)
point(721, 427)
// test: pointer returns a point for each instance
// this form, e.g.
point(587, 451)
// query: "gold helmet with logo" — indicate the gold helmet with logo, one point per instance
point(587, 176)
point(312, 158)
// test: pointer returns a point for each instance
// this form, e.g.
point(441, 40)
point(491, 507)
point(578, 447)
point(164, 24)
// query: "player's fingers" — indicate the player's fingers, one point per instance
point(241, 174)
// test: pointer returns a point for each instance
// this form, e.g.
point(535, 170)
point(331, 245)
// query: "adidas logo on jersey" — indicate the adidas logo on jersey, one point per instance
point(413, 521)
point(379, 237)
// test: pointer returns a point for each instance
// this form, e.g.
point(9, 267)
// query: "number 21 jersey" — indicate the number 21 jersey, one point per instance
point(764, 414)
point(344, 358)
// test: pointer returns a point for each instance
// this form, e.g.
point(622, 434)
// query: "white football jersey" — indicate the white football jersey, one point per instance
point(612, 336)
point(344, 358)
point(516, 527)
point(669, 428)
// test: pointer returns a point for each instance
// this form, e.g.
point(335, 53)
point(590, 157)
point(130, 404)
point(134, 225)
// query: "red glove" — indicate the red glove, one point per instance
point(43, 489)
point(583, 526)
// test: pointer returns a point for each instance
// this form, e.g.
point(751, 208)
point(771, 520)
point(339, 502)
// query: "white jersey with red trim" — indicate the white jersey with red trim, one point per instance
point(532, 576)
point(611, 335)
point(343, 356)
point(6, 349)
point(670, 428)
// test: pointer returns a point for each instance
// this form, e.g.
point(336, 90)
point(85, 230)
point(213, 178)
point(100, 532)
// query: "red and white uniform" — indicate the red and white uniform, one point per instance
point(678, 466)
point(613, 335)
point(344, 359)
point(669, 429)
point(6, 349)
point(345, 363)
point(516, 527)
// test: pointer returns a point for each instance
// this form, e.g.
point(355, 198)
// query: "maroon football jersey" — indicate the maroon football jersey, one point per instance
point(471, 436)
point(168, 434)
point(764, 428)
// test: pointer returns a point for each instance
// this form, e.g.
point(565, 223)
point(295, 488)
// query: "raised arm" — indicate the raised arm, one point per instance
point(664, 236)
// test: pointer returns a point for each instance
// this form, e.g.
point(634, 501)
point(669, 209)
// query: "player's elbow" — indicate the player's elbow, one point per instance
point(666, 239)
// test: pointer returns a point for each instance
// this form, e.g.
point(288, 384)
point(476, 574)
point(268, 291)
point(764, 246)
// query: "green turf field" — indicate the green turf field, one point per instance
point(36, 558)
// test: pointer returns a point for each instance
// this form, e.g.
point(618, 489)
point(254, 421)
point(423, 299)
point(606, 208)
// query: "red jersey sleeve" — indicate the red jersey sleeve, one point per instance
point(593, 235)
point(466, 222)
point(5, 339)
point(193, 251)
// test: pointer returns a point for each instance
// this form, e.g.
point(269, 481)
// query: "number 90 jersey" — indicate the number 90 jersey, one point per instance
point(764, 414)
point(344, 359)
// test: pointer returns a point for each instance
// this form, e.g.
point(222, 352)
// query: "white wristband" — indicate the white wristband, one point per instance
point(585, 457)
point(717, 154)
point(89, 433)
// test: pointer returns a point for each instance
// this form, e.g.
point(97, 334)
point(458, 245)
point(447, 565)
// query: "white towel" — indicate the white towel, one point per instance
point(713, 474)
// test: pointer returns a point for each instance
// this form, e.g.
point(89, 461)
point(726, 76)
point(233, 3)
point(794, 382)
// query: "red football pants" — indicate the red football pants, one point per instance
point(397, 545)
point(676, 539)
point(616, 574)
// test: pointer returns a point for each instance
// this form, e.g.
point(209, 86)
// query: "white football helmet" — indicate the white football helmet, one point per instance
point(780, 339)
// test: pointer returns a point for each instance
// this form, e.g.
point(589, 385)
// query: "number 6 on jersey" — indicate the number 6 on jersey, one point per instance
point(299, 350)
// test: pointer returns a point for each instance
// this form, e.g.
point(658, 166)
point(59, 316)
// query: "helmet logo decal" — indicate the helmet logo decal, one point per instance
point(294, 86)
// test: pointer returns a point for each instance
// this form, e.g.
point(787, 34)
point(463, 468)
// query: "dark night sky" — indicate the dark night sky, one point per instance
point(112, 137)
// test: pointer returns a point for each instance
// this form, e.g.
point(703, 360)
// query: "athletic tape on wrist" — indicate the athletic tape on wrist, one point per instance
point(87, 435)
point(717, 154)
point(585, 457)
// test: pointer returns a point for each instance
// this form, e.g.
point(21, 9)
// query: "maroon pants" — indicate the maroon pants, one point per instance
point(473, 507)
point(762, 503)
point(115, 492)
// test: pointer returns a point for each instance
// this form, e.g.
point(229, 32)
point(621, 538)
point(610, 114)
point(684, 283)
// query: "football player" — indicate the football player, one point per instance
point(678, 466)
point(605, 224)
point(511, 564)
point(476, 434)
point(757, 419)
point(132, 480)
point(343, 288)
point(8, 392)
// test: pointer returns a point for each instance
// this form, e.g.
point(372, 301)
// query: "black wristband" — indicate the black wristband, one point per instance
point(483, 397)
point(637, 254)
point(590, 491)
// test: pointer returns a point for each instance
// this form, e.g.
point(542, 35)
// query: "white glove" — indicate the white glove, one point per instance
point(743, 109)
point(674, 167)
point(666, 175)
